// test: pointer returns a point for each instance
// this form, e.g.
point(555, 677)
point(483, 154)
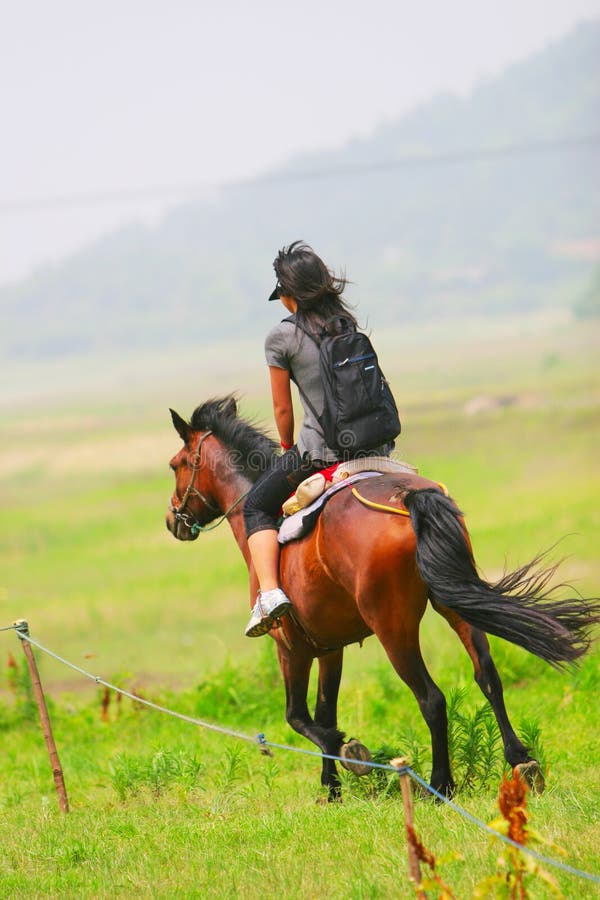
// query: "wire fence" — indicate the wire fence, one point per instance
point(265, 745)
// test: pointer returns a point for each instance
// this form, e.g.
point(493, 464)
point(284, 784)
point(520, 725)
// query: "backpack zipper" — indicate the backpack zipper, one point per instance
point(353, 359)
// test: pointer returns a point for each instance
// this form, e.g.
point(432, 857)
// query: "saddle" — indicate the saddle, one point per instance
point(304, 507)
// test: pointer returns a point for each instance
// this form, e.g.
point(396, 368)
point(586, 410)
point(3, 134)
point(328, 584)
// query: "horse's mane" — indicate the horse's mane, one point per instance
point(253, 450)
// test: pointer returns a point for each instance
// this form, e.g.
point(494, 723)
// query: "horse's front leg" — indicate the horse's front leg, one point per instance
point(330, 673)
point(295, 668)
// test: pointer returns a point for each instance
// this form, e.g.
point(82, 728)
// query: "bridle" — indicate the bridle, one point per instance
point(186, 516)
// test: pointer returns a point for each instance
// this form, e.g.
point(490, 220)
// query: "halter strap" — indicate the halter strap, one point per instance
point(190, 488)
point(196, 527)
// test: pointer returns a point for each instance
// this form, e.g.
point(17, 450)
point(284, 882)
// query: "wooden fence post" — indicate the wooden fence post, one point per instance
point(22, 629)
point(414, 869)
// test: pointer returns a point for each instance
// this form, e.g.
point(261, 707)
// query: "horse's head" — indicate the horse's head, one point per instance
point(192, 507)
point(222, 455)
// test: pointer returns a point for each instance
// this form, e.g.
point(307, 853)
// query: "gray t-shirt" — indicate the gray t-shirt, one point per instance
point(288, 347)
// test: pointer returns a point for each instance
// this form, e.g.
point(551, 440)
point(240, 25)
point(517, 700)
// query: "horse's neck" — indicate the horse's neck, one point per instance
point(227, 489)
point(236, 523)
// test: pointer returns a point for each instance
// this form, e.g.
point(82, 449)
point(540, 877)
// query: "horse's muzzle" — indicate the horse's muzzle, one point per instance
point(178, 526)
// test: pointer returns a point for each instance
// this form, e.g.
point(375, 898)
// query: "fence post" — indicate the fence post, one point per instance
point(414, 869)
point(22, 629)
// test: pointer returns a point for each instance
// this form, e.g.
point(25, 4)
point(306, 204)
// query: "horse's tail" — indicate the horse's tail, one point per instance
point(519, 607)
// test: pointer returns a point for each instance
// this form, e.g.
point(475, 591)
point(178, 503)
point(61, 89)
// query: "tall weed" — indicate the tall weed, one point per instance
point(530, 733)
point(18, 681)
point(474, 744)
point(155, 772)
point(233, 695)
point(231, 782)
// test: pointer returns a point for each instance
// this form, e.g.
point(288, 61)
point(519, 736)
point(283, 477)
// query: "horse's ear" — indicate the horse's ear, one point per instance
point(181, 426)
point(230, 408)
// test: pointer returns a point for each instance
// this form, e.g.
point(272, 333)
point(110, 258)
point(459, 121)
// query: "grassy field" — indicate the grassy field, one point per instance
point(509, 421)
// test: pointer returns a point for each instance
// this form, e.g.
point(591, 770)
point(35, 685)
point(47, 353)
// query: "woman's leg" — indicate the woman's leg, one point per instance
point(264, 550)
point(261, 512)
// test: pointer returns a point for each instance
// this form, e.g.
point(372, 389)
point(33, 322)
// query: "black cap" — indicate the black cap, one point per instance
point(276, 293)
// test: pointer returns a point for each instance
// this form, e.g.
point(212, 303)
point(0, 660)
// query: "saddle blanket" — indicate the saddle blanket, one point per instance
point(303, 521)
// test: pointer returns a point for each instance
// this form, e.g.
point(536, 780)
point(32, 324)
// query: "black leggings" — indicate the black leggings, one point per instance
point(263, 503)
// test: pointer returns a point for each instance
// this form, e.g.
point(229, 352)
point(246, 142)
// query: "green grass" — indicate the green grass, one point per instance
point(164, 809)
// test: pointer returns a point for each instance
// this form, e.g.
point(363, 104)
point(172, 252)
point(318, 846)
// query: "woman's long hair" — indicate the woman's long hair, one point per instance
point(303, 275)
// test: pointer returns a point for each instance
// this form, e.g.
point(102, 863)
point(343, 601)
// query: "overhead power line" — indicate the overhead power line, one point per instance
point(449, 157)
point(119, 196)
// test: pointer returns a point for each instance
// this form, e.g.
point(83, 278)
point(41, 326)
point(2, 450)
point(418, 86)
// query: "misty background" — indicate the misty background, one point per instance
point(154, 158)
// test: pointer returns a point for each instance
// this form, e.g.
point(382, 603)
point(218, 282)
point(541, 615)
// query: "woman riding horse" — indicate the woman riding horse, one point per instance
point(313, 296)
point(371, 569)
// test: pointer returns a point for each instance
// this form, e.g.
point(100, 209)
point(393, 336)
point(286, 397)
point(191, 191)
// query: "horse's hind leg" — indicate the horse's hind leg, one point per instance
point(408, 662)
point(488, 679)
point(401, 644)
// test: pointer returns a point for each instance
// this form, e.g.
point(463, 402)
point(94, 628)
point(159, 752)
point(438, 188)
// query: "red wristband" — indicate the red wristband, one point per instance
point(286, 446)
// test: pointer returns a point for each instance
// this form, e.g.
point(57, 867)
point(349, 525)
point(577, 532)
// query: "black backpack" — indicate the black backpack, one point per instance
point(360, 413)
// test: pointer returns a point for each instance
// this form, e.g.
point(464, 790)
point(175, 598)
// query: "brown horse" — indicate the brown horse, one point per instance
point(364, 571)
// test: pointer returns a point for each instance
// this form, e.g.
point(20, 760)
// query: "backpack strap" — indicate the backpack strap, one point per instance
point(292, 320)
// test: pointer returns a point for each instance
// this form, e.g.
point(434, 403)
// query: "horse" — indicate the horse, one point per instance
point(364, 570)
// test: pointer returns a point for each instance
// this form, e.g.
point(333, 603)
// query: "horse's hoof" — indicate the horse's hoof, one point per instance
point(331, 797)
point(354, 756)
point(532, 773)
point(447, 790)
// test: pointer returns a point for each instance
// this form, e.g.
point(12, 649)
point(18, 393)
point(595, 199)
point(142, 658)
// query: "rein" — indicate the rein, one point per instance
point(196, 528)
point(185, 516)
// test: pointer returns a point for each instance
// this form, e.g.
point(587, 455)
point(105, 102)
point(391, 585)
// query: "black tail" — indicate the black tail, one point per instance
point(518, 608)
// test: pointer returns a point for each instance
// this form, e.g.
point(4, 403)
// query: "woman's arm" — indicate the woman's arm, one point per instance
point(283, 409)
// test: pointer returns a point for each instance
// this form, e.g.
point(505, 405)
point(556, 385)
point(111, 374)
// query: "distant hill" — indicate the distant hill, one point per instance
point(461, 234)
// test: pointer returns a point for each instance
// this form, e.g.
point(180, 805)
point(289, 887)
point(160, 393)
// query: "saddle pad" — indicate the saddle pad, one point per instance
point(303, 521)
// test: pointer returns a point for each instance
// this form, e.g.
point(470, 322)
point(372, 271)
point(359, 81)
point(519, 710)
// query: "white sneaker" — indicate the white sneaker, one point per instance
point(269, 606)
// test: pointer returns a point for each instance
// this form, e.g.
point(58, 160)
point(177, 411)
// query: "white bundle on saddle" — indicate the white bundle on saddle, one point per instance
point(315, 485)
point(303, 507)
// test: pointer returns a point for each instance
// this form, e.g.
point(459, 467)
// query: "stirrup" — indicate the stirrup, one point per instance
point(270, 606)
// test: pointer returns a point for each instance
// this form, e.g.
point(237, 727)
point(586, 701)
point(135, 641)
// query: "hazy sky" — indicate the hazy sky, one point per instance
point(97, 98)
